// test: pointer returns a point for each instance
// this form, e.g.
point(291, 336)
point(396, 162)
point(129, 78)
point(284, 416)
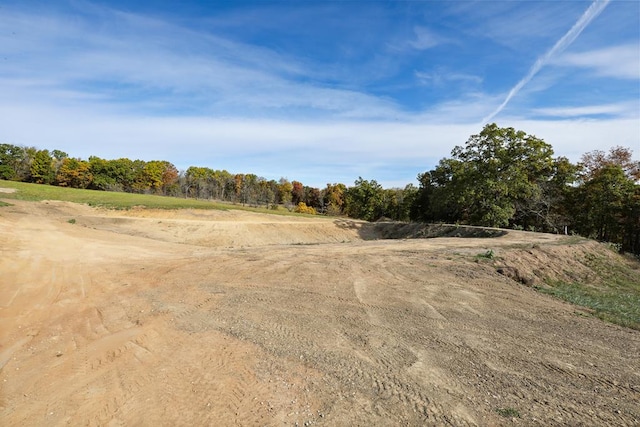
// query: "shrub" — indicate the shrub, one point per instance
point(303, 208)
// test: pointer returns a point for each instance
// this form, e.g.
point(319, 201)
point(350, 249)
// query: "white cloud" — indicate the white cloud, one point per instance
point(157, 91)
point(619, 110)
point(312, 151)
point(440, 77)
point(152, 64)
point(621, 62)
point(573, 137)
point(425, 39)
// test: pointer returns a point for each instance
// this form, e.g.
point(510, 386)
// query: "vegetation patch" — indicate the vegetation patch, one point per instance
point(118, 200)
point(3, 204)
point(612, 292)
point(486, 255)
point(508, 412)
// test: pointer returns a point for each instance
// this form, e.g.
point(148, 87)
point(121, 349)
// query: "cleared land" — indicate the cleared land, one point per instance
point(193, 317)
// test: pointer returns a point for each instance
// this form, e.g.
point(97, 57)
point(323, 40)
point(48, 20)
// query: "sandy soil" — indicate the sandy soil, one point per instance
point(231, 318)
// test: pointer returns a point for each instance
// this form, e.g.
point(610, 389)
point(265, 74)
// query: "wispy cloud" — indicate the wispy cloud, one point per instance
point(592, 12)
point(618, 110)
point(425, 39)
point(574, 137)
point(621, 62)
point(174, 68)
point(441, 77)
point(97, 81)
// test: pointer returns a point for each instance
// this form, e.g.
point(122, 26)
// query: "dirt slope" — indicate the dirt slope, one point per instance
point(232, 318)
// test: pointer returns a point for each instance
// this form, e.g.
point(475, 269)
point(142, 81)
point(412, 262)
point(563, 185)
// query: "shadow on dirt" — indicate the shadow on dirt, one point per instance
point(414, 230)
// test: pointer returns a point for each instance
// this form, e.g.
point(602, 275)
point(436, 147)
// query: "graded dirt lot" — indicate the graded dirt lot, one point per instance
point(223, 318)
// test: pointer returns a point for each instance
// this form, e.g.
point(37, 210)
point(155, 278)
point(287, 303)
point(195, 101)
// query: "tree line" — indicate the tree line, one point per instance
point(506, 178)
point(500, 178)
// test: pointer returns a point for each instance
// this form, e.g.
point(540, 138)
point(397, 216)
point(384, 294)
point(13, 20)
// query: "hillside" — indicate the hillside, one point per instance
point(212, 317)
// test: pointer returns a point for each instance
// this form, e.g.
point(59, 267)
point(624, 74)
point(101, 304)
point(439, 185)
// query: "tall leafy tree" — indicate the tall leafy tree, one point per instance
point(606, 206)
point(333, 198)
point(313, 197)
point(197, 182)
point(11, 159)
point(365, 200)
point(297, 192)
point(594, 161)
point(487, 179)
point(284, 195)
point(42, 171)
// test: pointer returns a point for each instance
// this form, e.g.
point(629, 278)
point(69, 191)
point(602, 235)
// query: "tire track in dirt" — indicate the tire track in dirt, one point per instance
point(361, 317)
point(371, 380)
point(220, 383)
point(91, 367)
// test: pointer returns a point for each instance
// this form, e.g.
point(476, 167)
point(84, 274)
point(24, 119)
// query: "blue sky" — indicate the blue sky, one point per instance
point(316, 91)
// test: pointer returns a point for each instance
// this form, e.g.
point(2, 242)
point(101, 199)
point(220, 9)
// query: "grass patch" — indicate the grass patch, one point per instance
point(3, 204)
point(117, 200)
point(486, 255)
point(508, 412)
point(108, 199)
point(612, 294)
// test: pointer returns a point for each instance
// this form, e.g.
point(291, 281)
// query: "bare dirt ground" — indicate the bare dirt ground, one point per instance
point(234, 318)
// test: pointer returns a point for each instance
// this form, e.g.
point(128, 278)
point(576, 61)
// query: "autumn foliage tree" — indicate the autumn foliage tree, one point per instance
point(606, 204)
point(74, 173)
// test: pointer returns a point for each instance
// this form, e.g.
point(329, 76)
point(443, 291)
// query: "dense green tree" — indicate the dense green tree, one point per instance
point(438, 197)
point(59, 155)
point(486, 180)
point(11, 160)
point(313, 197)
point(398, 202)
point(631, 237)
point(112, 175)
point(365, 200)
point(545, 209)
point(605, 205)
point(41, 169)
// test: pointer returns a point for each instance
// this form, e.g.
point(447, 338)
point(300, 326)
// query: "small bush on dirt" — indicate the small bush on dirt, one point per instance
point(72, 221)
point(486, 255)
point(508, 412)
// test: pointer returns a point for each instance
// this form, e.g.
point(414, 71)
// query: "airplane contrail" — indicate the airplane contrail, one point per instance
point(593, 11)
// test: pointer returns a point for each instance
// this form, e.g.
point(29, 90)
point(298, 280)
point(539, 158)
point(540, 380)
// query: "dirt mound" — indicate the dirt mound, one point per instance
point(231, 318)
point(399, 230)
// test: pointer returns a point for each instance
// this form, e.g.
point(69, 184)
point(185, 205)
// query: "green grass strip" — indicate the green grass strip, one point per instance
point(118, 200)
point(614, 296)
